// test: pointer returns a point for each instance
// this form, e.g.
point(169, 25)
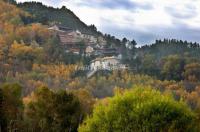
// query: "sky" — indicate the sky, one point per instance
point(142, 20)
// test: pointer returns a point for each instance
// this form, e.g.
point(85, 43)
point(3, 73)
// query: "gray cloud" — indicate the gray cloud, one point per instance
point(187, 12)
point(131, 33)
point(116, 4)
point(179, 31)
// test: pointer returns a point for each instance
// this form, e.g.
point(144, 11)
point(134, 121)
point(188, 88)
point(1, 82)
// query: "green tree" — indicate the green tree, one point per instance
point(2, 118)
point(139, 110)
point(149, 65)
point(173, 67)
point(134, 43)
point(53, 51)
point(11, 107)
point(67, 112)
point(53, 111)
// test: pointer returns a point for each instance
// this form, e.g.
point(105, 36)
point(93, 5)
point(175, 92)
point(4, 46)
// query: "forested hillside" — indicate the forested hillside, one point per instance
point(49, 15)
point(41, 88)
point(63, 16)
point(167, 47)
point(166, 59)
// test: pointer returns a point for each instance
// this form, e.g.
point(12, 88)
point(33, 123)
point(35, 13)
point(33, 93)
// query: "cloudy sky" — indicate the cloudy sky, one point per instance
point(143, 20)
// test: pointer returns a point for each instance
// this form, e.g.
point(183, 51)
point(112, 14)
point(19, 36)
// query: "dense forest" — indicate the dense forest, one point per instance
point(42, 90)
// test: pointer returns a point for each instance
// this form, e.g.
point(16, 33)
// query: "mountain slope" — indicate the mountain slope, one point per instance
point(64, 17)
point(50, 15)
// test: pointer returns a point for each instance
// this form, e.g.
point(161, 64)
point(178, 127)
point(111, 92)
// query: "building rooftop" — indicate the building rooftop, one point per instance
point(61, 28)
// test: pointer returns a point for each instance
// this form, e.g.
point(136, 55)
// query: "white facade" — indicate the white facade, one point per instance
point(106, 63)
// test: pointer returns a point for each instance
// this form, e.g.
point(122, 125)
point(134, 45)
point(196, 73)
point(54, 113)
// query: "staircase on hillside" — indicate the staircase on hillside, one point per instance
point(91, 73)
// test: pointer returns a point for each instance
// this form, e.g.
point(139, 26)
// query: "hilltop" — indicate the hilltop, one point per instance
point(49, 15)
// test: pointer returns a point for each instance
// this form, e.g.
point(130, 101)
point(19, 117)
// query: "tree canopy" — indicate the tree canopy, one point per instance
point(140, 110)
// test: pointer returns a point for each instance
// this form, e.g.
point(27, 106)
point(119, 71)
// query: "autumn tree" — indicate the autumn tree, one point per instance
point(86, 100)
point(33, 32)
point(192, 72)
point(23, 57)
